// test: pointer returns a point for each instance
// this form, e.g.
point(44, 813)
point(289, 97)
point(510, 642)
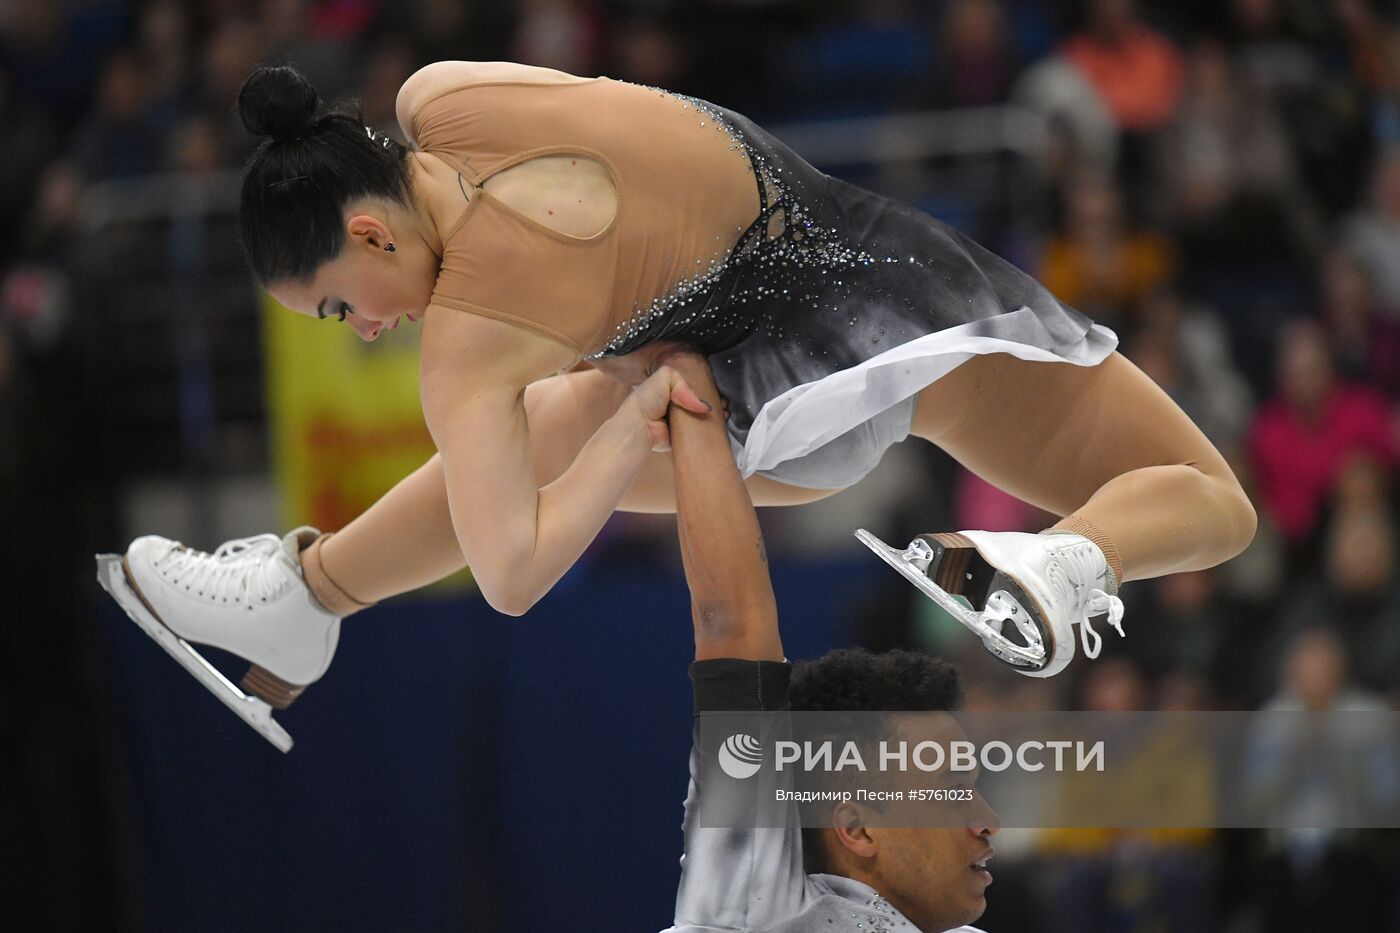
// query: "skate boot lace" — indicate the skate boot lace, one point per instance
point(240, 569)
point(1080, 562)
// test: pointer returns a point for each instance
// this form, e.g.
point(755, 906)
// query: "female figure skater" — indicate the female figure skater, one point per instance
point(540, 220)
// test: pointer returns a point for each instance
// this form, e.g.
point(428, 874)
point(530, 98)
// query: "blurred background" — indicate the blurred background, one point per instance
point(1218, 180)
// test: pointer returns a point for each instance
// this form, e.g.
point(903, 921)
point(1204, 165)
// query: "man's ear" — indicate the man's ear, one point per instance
point(848, 826)
point(369, 230)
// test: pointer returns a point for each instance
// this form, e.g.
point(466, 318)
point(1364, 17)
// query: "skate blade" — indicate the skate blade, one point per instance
point(251, 710)
point(995, 642)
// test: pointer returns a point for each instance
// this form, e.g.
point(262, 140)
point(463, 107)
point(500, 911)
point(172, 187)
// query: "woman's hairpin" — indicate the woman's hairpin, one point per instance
point(380, 138)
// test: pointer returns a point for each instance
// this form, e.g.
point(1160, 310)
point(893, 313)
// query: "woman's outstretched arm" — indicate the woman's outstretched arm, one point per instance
point(518, 537)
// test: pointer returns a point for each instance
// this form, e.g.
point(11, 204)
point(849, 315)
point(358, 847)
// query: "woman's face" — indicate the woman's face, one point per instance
point(366, 286)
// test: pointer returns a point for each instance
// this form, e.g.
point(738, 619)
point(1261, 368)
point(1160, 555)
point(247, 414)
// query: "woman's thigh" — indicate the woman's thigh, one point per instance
point(1052, 434)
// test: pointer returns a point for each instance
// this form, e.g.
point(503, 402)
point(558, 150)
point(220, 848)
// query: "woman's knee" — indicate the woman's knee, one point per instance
point(1246, 520)
point(1227, 497)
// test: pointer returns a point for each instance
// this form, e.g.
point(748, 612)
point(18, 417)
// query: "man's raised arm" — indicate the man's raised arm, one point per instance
point(726, 568)
point(736, 877)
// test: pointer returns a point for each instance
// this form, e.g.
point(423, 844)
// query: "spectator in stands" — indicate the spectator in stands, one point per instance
point(118, 139)
point(1365, 343)
point(563, 34)
point(1385, 105)
point(1223, 142)
point(1373, 233)
point(389, 62)
point(1358, 595)
point(53, 51)
point(1299, 775)
point(1364, 32)
point(29, 143)
point(166, 48)
point(647, 51)
point(1136, 70)
point(1186, 351)
point(230, 51)
point(976, 61)
point(310, 35)
point(1273, 47)
point(442, 30)
point(1290, 57)
point(1303, 437)
point(195, 147)
point(1098, 263)
point(1191, 620)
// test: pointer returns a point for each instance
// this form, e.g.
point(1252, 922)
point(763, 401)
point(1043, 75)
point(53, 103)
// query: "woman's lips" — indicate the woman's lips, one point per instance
point(398, 319)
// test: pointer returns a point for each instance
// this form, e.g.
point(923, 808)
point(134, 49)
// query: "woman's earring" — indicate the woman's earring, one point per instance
point(388, 247)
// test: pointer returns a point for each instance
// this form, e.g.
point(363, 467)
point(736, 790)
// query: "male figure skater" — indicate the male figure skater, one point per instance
point(854, 876)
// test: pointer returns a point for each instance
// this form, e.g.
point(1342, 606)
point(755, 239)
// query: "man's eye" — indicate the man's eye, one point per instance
point(344, 310)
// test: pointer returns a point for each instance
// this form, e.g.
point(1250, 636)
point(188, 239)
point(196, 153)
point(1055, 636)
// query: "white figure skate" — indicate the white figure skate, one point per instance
point(248, 597)
point(1041, 584)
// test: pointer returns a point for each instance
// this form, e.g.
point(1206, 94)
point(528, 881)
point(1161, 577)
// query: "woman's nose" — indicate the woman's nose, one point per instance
point(368, 330)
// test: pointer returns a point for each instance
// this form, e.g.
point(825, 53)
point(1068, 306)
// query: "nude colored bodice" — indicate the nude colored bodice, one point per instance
point(685, 191)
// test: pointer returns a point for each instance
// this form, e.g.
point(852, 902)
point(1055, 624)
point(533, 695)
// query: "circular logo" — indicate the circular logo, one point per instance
point(740, 756)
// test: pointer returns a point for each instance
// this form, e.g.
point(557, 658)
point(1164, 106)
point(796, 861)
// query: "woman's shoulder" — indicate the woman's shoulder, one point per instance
point(465, 348)
point(440, 78)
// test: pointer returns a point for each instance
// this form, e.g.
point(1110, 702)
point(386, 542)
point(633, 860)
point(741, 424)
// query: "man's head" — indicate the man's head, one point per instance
point(926, 872)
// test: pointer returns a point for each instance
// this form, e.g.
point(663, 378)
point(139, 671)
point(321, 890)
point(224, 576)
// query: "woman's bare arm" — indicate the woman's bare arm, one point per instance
point(564, 411)
point(517, 537)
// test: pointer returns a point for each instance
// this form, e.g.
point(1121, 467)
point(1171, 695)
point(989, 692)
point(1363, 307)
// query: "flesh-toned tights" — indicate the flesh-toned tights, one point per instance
point(1103, 446)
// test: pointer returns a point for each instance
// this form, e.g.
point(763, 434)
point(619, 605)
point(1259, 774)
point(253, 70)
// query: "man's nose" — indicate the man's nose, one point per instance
point(985, 822)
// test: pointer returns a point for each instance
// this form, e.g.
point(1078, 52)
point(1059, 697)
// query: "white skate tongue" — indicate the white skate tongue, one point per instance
point(298, 540)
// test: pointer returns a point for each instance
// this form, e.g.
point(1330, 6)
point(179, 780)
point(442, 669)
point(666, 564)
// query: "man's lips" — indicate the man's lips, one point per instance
point(981, 863)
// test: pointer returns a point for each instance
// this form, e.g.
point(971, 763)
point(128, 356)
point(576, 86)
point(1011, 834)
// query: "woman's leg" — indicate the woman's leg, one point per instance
point(1103, 446)
point(406, 541)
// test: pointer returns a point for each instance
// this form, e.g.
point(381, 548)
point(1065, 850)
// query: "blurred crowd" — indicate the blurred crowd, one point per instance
point(1218, 181)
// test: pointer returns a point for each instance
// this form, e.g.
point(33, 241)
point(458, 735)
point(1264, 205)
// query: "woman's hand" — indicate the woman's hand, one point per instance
point(691, 364)
point(654, 397)
point(694, 368)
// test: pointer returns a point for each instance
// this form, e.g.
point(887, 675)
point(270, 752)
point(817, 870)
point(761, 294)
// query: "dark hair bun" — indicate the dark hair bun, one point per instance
point(277, 101)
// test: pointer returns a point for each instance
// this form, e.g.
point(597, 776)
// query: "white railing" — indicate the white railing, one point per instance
point(163, 197)
point(975, 131)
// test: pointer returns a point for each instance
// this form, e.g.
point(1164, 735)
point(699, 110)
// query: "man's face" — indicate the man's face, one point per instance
point(936, 876)
point(929, 874)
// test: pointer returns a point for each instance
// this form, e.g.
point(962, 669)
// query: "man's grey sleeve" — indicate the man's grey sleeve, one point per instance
point(738, 877)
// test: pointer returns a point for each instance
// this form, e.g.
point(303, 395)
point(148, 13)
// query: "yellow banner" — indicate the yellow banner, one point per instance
point(346, 422)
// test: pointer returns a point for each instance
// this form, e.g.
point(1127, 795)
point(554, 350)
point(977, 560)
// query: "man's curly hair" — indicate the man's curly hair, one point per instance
point(855, 680)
